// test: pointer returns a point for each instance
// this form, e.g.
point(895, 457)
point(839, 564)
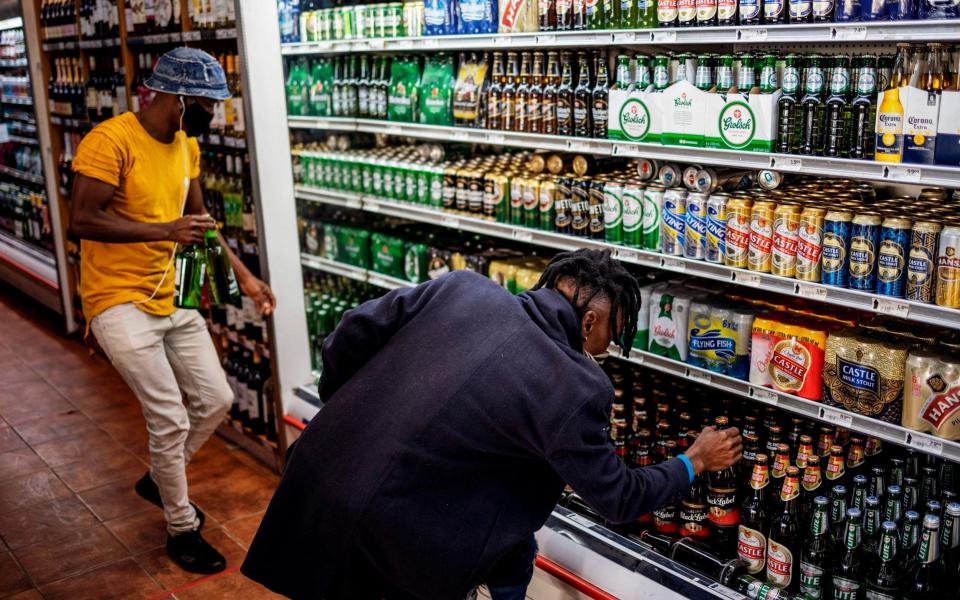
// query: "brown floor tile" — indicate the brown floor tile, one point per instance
point(78, 551)
point(231, 586)
point(140, 532)
point(115, 500)
point(32, 489)
point(100, 470)
point(89, 397)
point(45, 523)
point(237, 493)
point(15, 372)
point(22, 403)
point(123, 579)
point(12, 578)
point(19, 463)
point(51, 427)
point(243, 529)
point(90, 370)
point(129, 432)
point(9, 440)
point(160, 567)
point(92, 445)
point(27, 595)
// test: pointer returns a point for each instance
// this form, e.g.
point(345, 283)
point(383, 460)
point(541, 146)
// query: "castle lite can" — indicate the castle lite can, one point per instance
point(695, 230)
point(786, 226)
point(716, 227)
point(948, 268)
point(810, 243)
point(674, 222)
point(737, 237)
point(652, 216)
point(613, 212)
point(892, 257)
point(761, 236)
point(836, 247)
point(922, 261)
point(633, 214)
point(864, 241)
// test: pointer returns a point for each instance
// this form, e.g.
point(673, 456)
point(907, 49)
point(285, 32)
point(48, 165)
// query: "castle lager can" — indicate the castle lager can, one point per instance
point(948, 268)
point(737, 237)
point(633, 214)
point(864, 241)
point(674, 222)
point(895, 237)
point(695, 229)
point(716, 227)
point(922, 261)
point(836, 247)
point(547, 214)
point(613, 212)
point(786, 231)
point(652, 216)
point(760, 254)
point(810, 243)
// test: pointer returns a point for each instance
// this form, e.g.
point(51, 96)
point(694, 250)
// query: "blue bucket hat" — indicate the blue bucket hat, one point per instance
point(189, 72)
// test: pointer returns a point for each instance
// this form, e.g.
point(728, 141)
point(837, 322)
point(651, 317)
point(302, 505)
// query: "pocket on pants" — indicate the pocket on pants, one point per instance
point(123, 328)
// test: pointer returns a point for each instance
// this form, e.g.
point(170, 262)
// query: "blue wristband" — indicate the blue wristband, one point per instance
point(683, 458)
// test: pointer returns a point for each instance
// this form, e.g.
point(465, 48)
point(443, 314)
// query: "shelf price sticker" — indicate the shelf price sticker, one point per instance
point(673, 264)
point(503, 40)
point(904, 173)
point(767, 396)
point(851, 33)
point(665, 36)
point(546, 39)
point(792, 163)
point(924, 443)
point(753, 34)
point(748, 279)
point(626, 255)
point(378, 43)
point(497, 139)
point(699, 376)
point(522, 236)
point(890, 306)
point(373, 207)
point(836, 417)
point(627, 37)
point(354, 203)
point(811, 292)
point(431, 43)
point(450, 222)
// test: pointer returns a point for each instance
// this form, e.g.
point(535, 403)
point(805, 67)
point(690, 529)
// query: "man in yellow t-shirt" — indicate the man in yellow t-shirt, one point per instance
point(135, 198)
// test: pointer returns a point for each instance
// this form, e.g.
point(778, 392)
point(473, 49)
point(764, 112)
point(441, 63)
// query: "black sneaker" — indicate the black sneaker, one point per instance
point(148, 490)
point(192, 553)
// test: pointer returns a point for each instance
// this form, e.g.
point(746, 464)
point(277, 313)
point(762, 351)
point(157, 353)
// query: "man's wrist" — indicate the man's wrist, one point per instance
point(688, 463)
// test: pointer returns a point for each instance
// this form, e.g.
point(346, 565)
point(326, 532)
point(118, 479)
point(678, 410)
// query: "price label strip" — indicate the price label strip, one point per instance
point(450, 222)
point(748, 279)
point(792, 163)
point(765, 395)
point(699, 376)
point(811, 292)
point(836, 417)
point(758, 34)
point(904, 173)
point(673, 264)
point(851, 33)
point(522, 236)
point(889, 306)
point(924, 443)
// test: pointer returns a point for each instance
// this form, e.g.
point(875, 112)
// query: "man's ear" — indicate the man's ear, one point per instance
point(589, 320)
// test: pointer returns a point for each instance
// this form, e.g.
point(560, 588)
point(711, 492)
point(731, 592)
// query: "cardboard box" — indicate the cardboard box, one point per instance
point(947, 151)
point(921, 111)
point(634, 116)
point(742, 122)
point(683, 115)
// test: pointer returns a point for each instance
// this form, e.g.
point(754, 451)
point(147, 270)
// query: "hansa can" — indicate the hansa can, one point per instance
point(613, 212)
point(652, 217)
point(810, 243)
point(695, 229)
point(737, 237)
point(922, 261)
point(786, 226)
point(761, 236)
point(633, 192)
point(864, 241)
point(892, 257)
point(674, 222)
point(517, 185)
point(931, 395)
point(836, 247)
point(716, 227)
point(948, 268)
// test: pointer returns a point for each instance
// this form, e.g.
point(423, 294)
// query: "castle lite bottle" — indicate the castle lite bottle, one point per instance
point(812, 117)
point(838, 512)
point(783, 545)
point(950, 540)
point(926, 580)
point(754, 519)
point(848, 565)
point(816, 556)
point(871, 527)
point(885, 573)
point(788, 118)
point(863, 109)
point(837, 109)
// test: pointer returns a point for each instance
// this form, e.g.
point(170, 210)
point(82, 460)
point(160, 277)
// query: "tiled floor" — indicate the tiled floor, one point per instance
point(72, 444)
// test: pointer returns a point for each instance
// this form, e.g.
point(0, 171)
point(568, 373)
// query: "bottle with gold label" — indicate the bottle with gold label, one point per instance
point(754, 519)
point(783, 544)
point(889, 146)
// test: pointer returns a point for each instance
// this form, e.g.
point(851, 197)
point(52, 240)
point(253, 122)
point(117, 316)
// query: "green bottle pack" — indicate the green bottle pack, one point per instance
point(403, 95)
point(436, 97)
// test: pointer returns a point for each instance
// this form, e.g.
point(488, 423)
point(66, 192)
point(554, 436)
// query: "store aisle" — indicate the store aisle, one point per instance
point(72, 444)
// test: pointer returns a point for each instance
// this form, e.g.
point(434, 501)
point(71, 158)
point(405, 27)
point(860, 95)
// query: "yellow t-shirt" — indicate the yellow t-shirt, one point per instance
point(149, 177)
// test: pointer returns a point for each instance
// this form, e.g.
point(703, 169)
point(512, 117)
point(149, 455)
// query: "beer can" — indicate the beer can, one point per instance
point(652, 216)
point(561, 204)
point(695, 230)
point(760, 254)
point(690, 177)
point(531, 202)
point(837, 225)
point(864, 241)
point(411, 177)
point(810, 243)
point(948, 268)
point(892, 254)
point(633, 215)
point(769, 180)
point(580, 207)
point(548, 190)
point(646, 168)
point(922, 261)
point(674, 222)
point(669, 175)
point(716, 227)
point(496, 198)
point(516, 200)
point(596, 226)
point(613, 212)
point(786, 228)
point(707, 181)
point(737, 236)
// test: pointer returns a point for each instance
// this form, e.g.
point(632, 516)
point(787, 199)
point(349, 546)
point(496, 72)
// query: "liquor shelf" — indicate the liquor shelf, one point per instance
point(903, 31)
point(31, 260)
point(914, 311)
point(815, 410)
point(13, 63)
point(21, 175)
point(20, 100)
point(930, 175)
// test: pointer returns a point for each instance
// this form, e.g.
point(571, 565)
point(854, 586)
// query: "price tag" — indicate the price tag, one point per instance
point(354, 203)
point(627, 255)
point(673, 264)
point(226, 34)
point(191, 36)
point(431, 43)
point(450, 222)
point(699, 376)
point(812, 292)
point(765, 395)
point(581, 520)
point(496, 139)
point(461, 136)
point(889, 306)
point(403, 45)
point(624, 38)
point(546, 39)
point(750, 279)
point(373, 207)
point(924, 443)
point(584, 147)
point(754, 34)
point(393, 131)
point(793, 163)
point(665, 36)
point(835, 417)
point(851, 33)
point(904, 173)
point(503, 40)
point(522, 236)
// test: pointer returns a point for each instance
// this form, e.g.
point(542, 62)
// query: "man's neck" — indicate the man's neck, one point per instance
point(156, 122)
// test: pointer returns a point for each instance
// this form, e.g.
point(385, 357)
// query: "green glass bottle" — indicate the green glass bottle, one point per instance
point(812, 109)
point(884, 575)
point(221, 280)
point(646, 14)
point(837, 121)
point(864, 109)
point(190, 275)
point(788, 118)
point(768, 74)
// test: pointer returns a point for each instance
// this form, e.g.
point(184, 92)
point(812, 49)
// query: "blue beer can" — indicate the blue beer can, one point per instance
point(836, 247)
point(674, 222)
point(873, 10)
point(892, 257)
point(901, 10)
point(847, 10)
point(864, 242)
point(695, 232)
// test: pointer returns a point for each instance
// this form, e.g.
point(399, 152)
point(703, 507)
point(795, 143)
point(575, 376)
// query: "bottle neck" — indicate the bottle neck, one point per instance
point(929, 549)
point(851, 537)
point(820, 523)
point(888, 546)
point(623, 74)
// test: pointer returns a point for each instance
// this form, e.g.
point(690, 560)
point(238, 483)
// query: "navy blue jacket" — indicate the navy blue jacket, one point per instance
point(455, 413)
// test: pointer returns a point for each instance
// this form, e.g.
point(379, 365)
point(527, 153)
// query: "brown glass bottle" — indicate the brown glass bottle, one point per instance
point(535, 96)
point(508, 101)
point(520, 112)
point(601, 97)
point(665, 517)
point(825, 442)
point(495, 93)
point(778, 471)
point(856, 457)
point(548, 107)
point(835, 472)
point(565, 124)
point(754, 519)
point(783, 544)
point(694, 521)
point(582, 100)
point(811, 486)
point(722, 500)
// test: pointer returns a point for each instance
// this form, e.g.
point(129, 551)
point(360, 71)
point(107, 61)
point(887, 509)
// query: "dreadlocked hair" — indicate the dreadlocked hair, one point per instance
point(598, 275)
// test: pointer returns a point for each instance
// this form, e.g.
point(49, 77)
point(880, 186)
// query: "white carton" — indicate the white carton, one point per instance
point(634, 116)
point(947, 151)
point(921, 110)
point(683, 118)
point(742, 122)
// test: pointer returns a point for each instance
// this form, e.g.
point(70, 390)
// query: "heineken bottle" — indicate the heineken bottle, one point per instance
point(812, 108)
point(788, 117)
point(221, 280)
point(190, 276)
point(863, 109)
point(838, 109)
point(885, 571)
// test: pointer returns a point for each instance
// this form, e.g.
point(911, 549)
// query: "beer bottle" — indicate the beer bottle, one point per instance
point(646, 10)
point(221, 281)
point(704, 76)
point(825, 442)
point(624, 79)
point(725, 73)
point(783, 544)
point(754, 519)
point(898, 470)
point(644, 79)
point(601, 98)
point(889, 135)
point(579, 10)
point(547, 15)
point(884, 573)
point(934, 80)
point(190, 276)
point(774, 439)
point(911, 493)
point(812, 482)
point(925, 579)
point(694, 521)
point(871, 526)
point(836, 473)
point(582, 121)
point(838, 512)
point(774, 12)
point(929, 488)
point(706, 13)
point(722, 500)
point(848, 567)
point(858, 497)
point(495, 93)
point(838, 115)
point(363, 88)
point(812, 109)
point(535, 96)
point(863, 109)
point(520, 109)
point(661, 72)
point(627, 14)
point(256, 403)
point(892, 510)
point(874, 447)
point(727, 12)
point(550, 93)
point(508, 95)
point(768, 85)
point(564, 15)
point(746, 74)
point(754, 589)
point(565, 122)
point(816, 556)
point(804, 451)
point(876, 484)
point(665, 517)
point(781, 462)
point(948, 476)
point(910, 538)
point(950, 540)
point(751, 449)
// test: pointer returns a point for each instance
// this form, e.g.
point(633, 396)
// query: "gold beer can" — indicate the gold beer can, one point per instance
point(786, 226)
point(760, 254)
point(931, 395)
point(737, 242)
point(810, 243)
point(948, 268)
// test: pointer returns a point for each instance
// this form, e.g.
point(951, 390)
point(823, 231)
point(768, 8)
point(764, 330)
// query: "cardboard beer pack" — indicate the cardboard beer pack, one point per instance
point(634, 116)
point(921, 113)
point(947, 150)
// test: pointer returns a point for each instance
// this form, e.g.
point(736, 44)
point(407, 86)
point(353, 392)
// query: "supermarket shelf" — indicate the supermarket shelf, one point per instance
point(21, 175)
point(933, 31)
point(932, 175)
point(155, 39)
point(13, 63)
point(915, 311)
point(357, 273)
point(224, 141)
point(72, 122)
point(97, 44)
point(60, 46)
point(19, 100)
point(815, 410)
point(11, 23)
point(36, 263)
point(23, 140)
point(209, 34)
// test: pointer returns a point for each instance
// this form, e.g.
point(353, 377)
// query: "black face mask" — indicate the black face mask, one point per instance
point(196, 119)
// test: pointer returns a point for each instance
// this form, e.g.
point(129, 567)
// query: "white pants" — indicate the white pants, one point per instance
point(158, 357)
